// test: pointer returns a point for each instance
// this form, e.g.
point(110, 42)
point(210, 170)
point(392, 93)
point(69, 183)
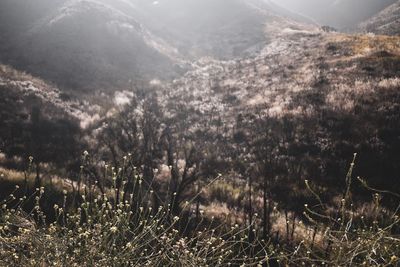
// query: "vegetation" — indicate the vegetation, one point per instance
point(239, 161)
point(241, 173)
point(89, 228)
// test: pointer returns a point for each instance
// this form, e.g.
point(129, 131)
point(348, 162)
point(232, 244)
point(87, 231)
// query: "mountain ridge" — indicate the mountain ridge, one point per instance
point(85, 44)
point(343, 15)
point(385, 22)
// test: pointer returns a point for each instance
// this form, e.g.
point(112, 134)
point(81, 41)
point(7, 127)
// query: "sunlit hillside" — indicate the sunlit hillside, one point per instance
point(199, 133)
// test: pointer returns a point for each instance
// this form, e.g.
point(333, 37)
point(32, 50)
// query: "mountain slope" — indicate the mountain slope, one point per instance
point(336, 94)
point(339, 67)
point(342, 14)
point(385, 22)
point(20, 92)
point(218, 28)
point(87, 44)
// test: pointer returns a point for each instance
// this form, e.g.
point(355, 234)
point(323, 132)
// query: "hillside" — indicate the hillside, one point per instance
point(222, 29)
point(85, 44)
point(330, 83)
point(292, 72)
point(386, 22)
point(110, 45)
point(29, 91)
point(198, 133)
point(340, 14)
point(298, 62)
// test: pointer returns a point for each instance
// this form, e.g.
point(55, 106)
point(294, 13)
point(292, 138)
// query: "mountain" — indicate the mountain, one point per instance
point(223, 29)
point(385, 22)
point(89, 44)
point(341, 14)
point(85, 44)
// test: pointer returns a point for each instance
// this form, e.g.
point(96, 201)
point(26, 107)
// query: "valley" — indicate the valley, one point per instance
point(236, 115)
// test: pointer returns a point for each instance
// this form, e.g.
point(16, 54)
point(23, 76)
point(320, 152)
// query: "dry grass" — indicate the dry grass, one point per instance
point(13, 176)
point(367, 43)
point(100, 232)
point(11, 74)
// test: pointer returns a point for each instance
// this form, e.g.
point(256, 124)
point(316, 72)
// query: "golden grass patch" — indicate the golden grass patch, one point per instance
point(367, 43)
